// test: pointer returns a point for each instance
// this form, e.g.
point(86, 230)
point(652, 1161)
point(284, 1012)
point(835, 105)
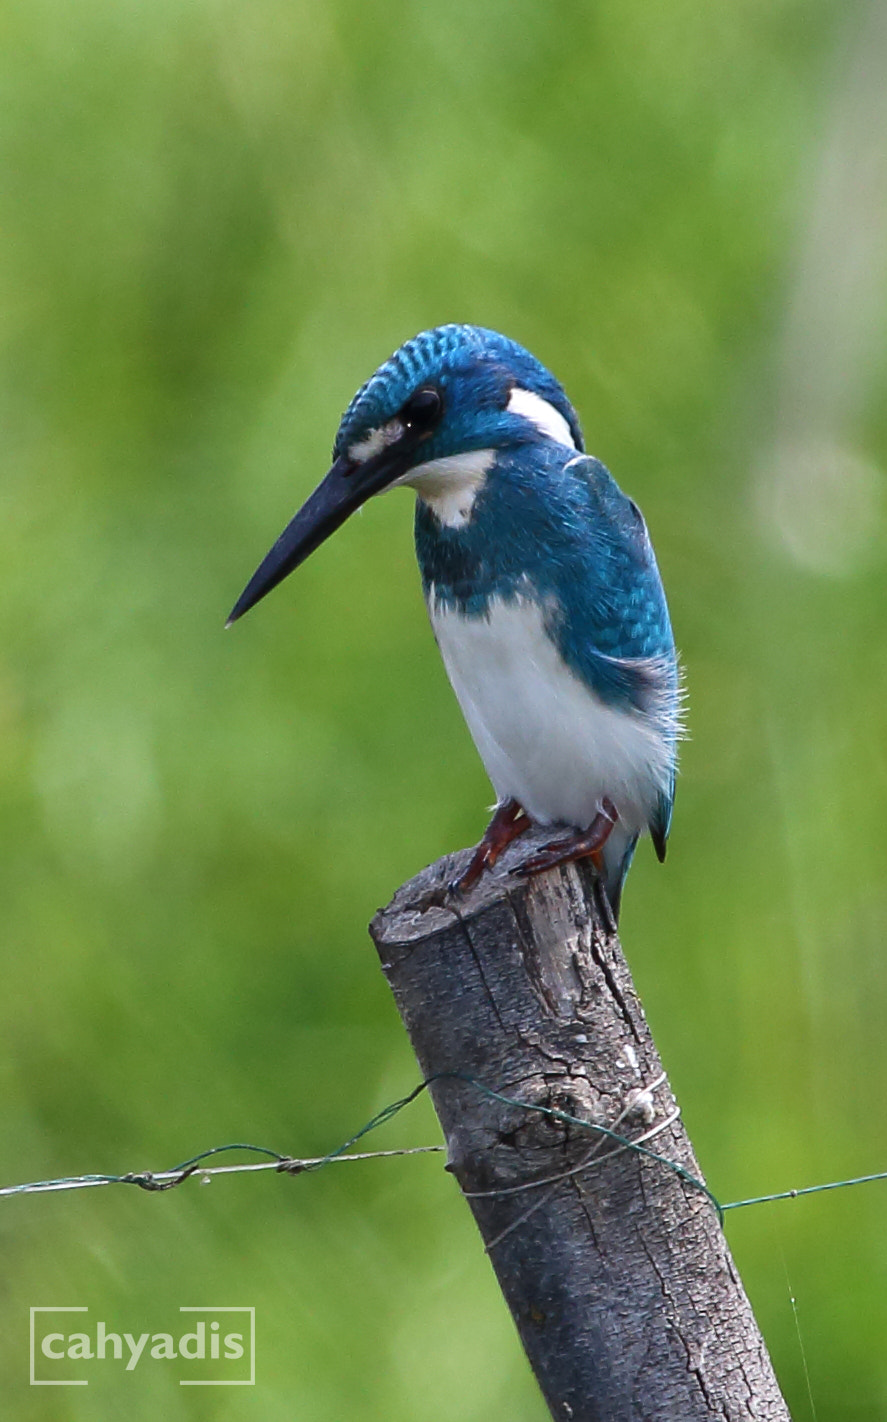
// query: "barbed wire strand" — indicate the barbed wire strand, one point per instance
point(633, 1102)
point(291, 1165)
point(805, 1190)
point(593, 1158)
point(154, 1180)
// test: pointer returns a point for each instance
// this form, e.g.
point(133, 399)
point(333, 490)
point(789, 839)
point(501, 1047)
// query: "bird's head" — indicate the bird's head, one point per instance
point(432, 416)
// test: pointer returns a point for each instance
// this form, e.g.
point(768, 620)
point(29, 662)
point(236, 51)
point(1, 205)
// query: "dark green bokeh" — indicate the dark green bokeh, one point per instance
point(217, 219)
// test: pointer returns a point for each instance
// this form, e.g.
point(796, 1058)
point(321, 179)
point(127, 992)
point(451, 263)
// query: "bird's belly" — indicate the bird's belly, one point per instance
point(546, 738)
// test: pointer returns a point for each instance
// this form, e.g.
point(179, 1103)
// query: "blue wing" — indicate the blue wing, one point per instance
point(621, 641)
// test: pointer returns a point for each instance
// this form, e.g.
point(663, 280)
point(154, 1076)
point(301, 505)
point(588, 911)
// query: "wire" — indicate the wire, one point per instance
point(282, 1164)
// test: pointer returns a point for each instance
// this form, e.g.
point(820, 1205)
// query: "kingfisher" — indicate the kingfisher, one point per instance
point(541, 586)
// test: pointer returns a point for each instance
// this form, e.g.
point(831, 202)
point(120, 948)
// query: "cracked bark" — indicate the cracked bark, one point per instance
point(618, 1276)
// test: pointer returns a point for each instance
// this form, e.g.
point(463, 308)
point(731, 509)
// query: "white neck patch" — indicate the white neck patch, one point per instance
point(449, 486)
point(542, 414)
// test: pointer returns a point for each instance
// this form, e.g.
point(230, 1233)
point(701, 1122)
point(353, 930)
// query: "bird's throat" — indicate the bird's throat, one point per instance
point(450, 486)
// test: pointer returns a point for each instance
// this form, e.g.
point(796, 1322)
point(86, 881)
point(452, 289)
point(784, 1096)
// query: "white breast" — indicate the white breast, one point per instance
point(543, 736)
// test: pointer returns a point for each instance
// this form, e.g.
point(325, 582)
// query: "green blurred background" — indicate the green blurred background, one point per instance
point(216, 219)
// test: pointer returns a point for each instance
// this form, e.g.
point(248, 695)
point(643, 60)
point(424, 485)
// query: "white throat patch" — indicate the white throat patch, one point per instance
point(542, 414)
point(449, 486)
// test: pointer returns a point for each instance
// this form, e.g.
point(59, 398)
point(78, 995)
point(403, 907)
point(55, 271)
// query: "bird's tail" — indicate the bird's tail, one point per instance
point(617, 855)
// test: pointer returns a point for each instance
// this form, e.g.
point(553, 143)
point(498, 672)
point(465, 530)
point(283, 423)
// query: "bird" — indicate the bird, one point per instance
point(542, 590)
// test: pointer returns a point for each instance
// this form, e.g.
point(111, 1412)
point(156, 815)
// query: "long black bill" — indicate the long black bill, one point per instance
point(345, 488)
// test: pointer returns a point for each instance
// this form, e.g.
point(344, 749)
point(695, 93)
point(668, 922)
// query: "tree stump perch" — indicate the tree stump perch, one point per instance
point(616, 1270)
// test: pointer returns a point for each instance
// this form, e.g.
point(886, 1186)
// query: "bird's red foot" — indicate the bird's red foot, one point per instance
point(584, 844)
point(509, 821)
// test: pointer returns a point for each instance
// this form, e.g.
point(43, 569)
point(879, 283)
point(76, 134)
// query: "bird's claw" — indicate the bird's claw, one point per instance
point(585, 844)
point(549, 857)
point(508, 823)
point(465, 882)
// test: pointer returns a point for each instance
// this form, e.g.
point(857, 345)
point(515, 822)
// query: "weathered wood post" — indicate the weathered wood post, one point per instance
point(616, 1270)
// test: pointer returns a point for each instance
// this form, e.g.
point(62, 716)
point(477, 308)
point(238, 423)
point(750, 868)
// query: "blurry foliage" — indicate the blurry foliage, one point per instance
point(217, 219)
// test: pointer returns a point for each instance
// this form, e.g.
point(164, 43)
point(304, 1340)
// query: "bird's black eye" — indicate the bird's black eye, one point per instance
point(423, 409)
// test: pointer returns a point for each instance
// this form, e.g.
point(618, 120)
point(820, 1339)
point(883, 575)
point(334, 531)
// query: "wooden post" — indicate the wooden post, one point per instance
point(617, 1274)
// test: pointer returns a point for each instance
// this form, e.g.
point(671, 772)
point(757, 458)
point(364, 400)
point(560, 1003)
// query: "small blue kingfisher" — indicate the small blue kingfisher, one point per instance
point(541, 586)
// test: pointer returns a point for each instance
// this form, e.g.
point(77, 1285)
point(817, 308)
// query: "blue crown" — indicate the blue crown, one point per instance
point(446, 353)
